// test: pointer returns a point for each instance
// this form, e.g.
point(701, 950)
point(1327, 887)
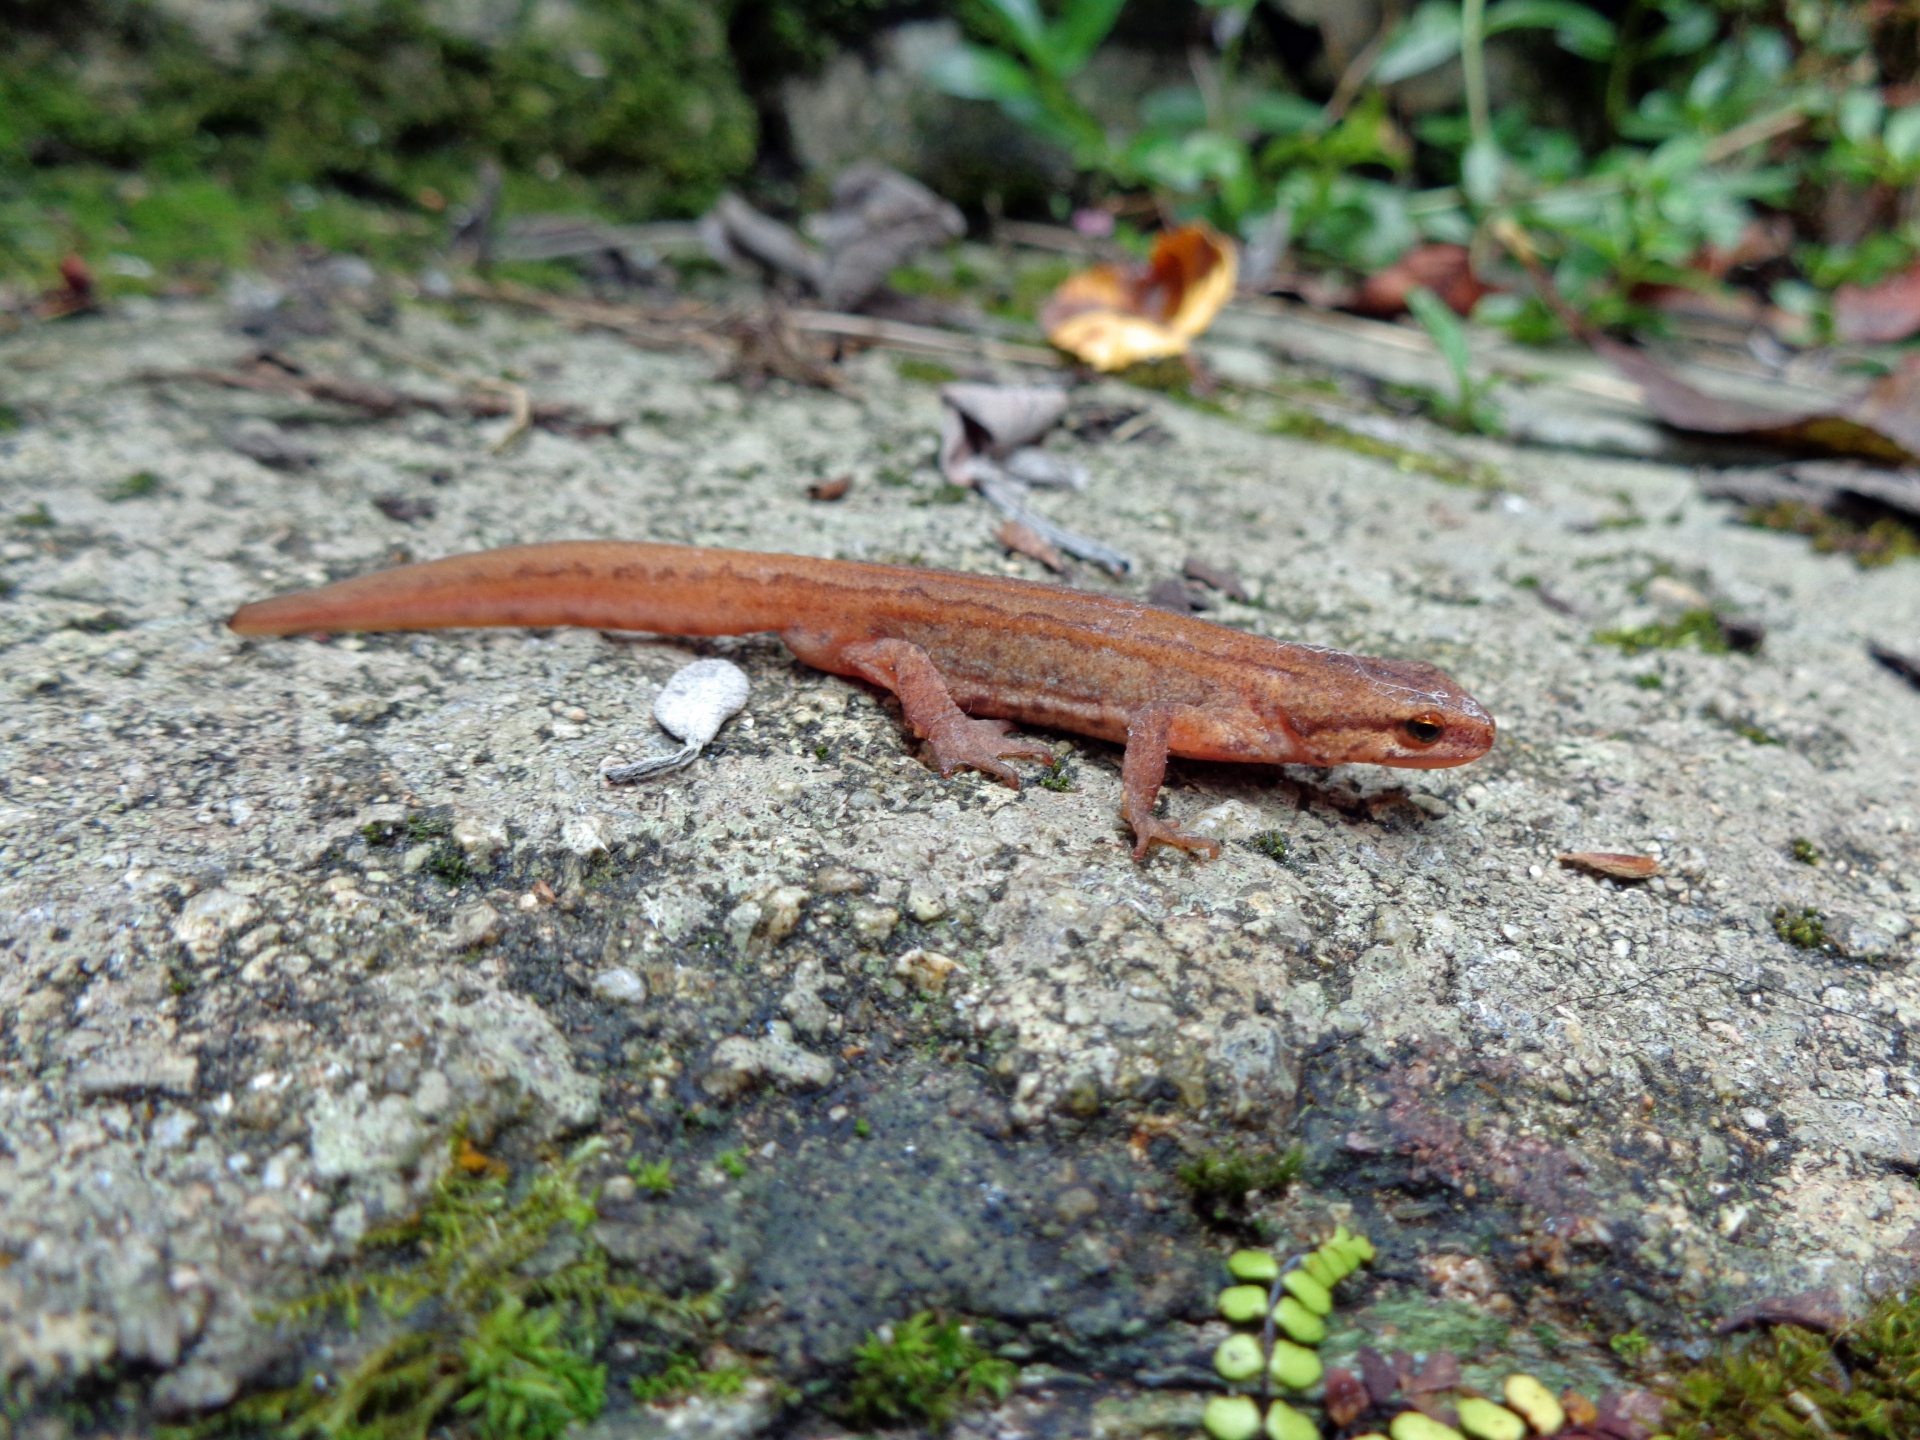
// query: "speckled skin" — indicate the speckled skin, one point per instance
point(952, 647)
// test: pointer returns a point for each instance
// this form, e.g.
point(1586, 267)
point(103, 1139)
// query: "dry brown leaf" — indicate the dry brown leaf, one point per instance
point(1116, 315)
point(1878, 314)
point(1819, 1310)
point(1347, 1398)
point(1447, 270)
point(833, 489)
point(1024, 540)
point(1883, 424)
point(1611, 864)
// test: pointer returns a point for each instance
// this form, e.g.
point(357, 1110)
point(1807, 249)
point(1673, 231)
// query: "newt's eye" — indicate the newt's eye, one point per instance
point(1424, 729)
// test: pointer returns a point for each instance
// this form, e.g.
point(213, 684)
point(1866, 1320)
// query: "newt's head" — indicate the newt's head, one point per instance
point(1388, 712)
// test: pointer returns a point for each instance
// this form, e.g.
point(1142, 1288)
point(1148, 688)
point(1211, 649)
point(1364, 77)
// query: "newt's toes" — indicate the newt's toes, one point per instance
point(1148, 833)
point(981, 745)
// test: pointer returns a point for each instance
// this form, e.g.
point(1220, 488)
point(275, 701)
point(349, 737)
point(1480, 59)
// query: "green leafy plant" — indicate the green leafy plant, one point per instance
point(524, 1382)
point(1467, 408)
point(1698, 628)
point(1218, 1182)
point(1804, 928)
point(653, 1176)
point(923, 1371)
point(685, 1376)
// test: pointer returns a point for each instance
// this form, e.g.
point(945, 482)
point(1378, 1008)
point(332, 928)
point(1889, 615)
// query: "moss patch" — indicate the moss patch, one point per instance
point(1301, 426)
point(922, 1370)
point(1871, 543)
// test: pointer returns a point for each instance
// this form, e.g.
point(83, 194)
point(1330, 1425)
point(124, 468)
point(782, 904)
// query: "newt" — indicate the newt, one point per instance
point(966, 655)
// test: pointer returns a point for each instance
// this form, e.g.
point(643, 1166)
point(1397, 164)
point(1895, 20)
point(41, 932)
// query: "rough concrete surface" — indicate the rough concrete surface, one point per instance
point(959, 1037)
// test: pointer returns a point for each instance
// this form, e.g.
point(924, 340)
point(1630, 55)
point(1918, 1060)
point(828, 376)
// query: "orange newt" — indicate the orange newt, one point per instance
point(965, 654)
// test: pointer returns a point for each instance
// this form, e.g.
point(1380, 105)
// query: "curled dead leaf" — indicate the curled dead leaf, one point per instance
point(1878, 314)
point(1609, 863)
point(1116, 315)
point(1447, 270)
point(1024, 540)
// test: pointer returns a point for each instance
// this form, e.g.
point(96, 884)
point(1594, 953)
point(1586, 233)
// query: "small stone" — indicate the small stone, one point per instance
point(1672, 594)
point(1755, 1119)
point(1300, 1323)
point(780, 911)
point(208, 918)
point(584, 836)
point(927, 971)
point(1286, 1423)
point(416, 857)
point(873, 923)
point(1243, 1304)
point(1308, 1291)
point(621, 986)
point(132, 1072)
point(924, 905)
point(1253, 1267)
point(479, 836)
point(1231, 1417)
point(619, 1190)
point(738, 1062)
point(1294, 1366)
point(1077, 1204)
point(473, 926)
point(1238, 1358)
point(838, 880)
point(1537, 1403)
point(1412, 1425)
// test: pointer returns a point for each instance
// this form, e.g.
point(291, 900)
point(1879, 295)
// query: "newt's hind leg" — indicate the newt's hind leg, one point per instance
point(955, 737)
point(1149, 733)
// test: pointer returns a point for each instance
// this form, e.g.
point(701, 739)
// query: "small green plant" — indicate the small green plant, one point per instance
point(1651, 680)
point(1804, 928)
point(684, 1376)
point(1804, 850)
point(1700, 628)
point(38, 518)
point(1631, 1346)
point(1468, 407)
point(862, 1128)
point(1754, 734)
point(1272, 844)
point(653, 1176)
point(136, 486)
point(1218, 1182)
point(525, 1382)
point(1871, 543)
point(1058, 778)
point(1791, 1384)
point(733, 1162)
point(923, 1371)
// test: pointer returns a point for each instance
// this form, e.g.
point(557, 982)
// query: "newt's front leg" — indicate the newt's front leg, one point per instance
point(1141, 771)
point(955, 737)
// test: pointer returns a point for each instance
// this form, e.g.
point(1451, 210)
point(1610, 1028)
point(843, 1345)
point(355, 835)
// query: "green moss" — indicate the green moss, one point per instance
point(136, 486)
point(354, 130)
point(1272, 844)
point(1302, 426)
point(1218, 1182)
point(924, 372)
point(38, 518)
point(1790, 1384)
point(1058, 778)
point(684, 1376)
point(653, 1176)
point(1804, 850)
point(1804, 929)
point(733, 1162)
point(1632, 1346)
point(1699, 628)
point(476, 1327)
point(1651, 680)
point(922, 1371)
point(1870, 543)
point(1753, 733)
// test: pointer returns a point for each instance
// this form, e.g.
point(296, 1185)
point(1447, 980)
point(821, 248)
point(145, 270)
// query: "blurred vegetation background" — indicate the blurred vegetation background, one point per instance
point(1625, 144)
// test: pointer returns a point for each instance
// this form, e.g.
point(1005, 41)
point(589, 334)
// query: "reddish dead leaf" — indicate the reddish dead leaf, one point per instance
point(1175, 595)
point(1115, 315)
point(833, 489)
point(1024, 540)
point(75, 295)
point(1811, 1310)
point(1762, 240)
point(1629, 1415)
point(1382, 1379)
point(1215, 578)
point(1447, 270)
point(1439, 1373)
point(1883, 424)
point(1347, 1398)
point(476, 1161)
point(1580, 1410)
point(1611, 864)
point(1878, 314)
